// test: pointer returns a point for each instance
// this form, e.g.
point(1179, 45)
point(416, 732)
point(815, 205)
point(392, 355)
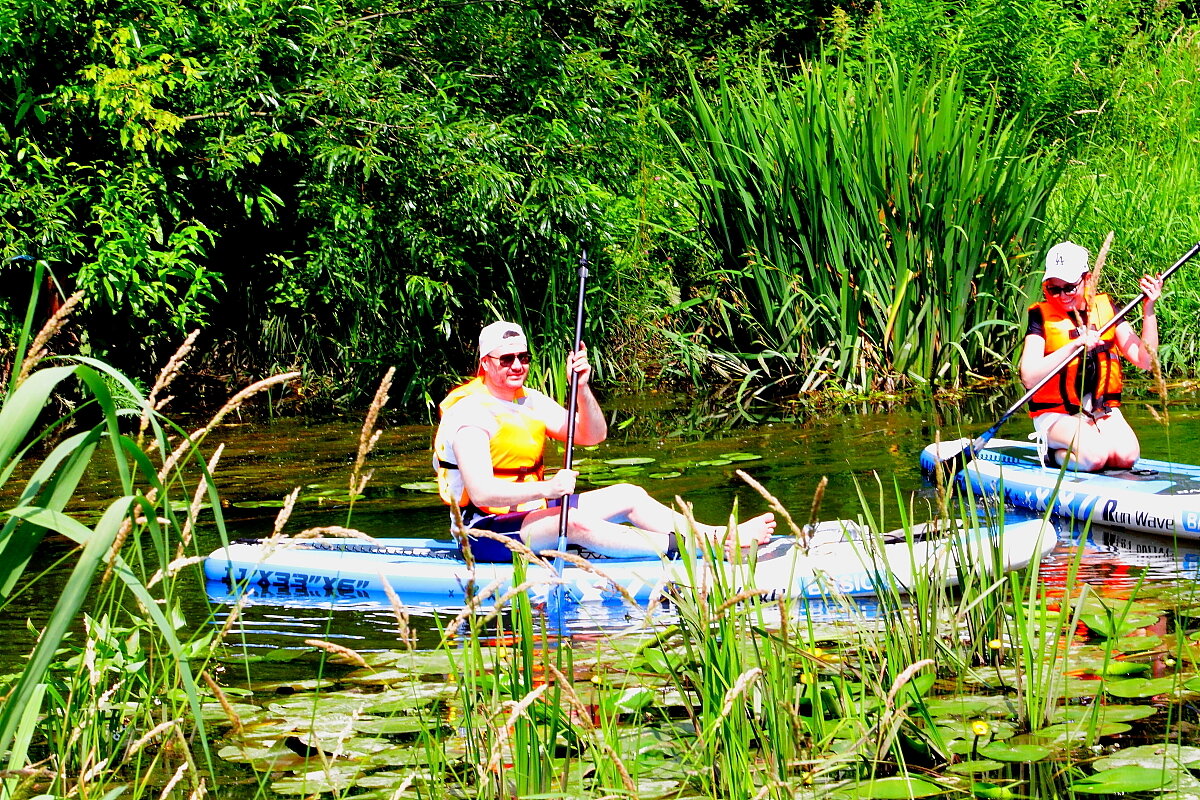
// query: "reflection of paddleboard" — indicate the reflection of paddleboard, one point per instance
point(432, 571)
point(1158, 497)
point(1162, 553)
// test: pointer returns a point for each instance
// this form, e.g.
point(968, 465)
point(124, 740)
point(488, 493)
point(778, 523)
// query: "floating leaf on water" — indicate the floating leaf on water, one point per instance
point(1141, 687)
point(740, 456)
point(391, 726)
point(258, 504)
point(627, 701)
point(713, 462)
point(1023, 753)
point(428, 487)
point(1113, 626)
point(972, 767)
point(1124, 779)
point(630, 461)
point(894, 788)
point(333, 778)
point(1154, 756)
point(991, 791)
point(664, 475)
point(1075, 732)
point(1105, 713)
point(1135, 644)
point(628, 470)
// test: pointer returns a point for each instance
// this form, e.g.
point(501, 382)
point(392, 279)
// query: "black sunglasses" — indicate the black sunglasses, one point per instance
point(1066, 288)
point(507, 359)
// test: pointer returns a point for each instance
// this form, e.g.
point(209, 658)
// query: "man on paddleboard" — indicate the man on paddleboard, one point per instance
point(1077, 414)
point(488, 456)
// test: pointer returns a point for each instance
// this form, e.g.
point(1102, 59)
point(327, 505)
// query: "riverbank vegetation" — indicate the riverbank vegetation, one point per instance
point(790, 196)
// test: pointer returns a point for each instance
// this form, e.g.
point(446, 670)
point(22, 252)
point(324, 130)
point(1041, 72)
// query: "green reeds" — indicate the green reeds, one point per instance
point(872, 225)
point(114, 666)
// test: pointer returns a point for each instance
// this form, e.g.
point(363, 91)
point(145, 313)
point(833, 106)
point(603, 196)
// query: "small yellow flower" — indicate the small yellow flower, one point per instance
point(995, 644)
point(980, 728)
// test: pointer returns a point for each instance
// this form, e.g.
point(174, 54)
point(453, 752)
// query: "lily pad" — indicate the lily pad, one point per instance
point(1114, 626)
point(258, 504)
point(1153, 756)
point(1124, 779)
point(1110, 713)
point(894, 788)
point(1141, 687)
point(631, 461)
point(1022, 753)
point(664, 475)
point(740, 456)
point(976, 766)
point(628, 701)
point(713, 462)
point(429, 487)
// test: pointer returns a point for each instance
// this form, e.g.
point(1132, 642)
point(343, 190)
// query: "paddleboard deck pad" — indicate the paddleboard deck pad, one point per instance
point(432, 572)
point(1159, 497)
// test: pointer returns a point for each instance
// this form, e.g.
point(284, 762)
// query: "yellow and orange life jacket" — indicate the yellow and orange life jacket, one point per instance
point(1097, 373)
point(516, 447)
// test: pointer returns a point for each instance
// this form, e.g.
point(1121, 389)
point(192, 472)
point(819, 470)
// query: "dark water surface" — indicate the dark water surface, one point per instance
point(868, 453)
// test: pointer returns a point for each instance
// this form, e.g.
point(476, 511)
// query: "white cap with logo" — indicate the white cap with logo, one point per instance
point(501, 333)
point(1066, 261)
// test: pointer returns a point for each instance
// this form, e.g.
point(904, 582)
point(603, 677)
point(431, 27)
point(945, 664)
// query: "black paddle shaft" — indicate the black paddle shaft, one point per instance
point(573, 398)
point(959, 460)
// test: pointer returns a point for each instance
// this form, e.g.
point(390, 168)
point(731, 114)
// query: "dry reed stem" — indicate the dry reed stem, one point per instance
point(585, 716)
point(151, 734)
point(1094, 282)
point(334, 531)
point(903, 678)
point(369, 436)
point(773, 502)
point(517, 709)
point(166, 376)
point(458, 529)
point(472, 605)
point(226, 706)
point(231, 405)
point(173, 569)
point(739, 598)
point(1160, 388)
point(200, 792)
point(37, 349)
point(338, 651)
point(403, 787)
point(285, 513)
point(185, 538)
point(175, 779)
point(406, 634)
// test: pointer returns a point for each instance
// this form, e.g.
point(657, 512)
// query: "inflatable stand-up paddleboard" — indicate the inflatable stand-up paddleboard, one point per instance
point(1159, 497)
point(839, 559)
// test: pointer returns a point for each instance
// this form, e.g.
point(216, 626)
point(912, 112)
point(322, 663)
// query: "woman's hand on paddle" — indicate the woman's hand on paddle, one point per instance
point(561, 484)
point(578, 364)
point(1151, 286)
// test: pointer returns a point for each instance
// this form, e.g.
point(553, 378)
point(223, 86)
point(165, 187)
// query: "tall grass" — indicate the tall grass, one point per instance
point(110, 688)
point(870, 223)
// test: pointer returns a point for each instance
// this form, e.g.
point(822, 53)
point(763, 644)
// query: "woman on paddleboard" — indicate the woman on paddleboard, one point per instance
point(488, 456)
point(1077, 415)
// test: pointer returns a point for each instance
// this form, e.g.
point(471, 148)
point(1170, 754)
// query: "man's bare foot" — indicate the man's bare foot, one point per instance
point(752, 531)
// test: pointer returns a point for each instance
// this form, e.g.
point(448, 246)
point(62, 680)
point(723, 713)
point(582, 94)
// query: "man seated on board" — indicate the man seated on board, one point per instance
point(488, 456)
point(1077, 414)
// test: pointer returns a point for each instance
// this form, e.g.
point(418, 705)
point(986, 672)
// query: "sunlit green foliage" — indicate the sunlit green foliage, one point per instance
point(870, 225)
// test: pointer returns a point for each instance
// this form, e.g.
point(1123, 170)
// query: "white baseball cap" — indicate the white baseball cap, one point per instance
point(1066, 261)
point(501, 333)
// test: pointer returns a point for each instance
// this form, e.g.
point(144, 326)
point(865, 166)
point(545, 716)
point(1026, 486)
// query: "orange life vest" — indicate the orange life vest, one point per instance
point(1097, 373)
point(516, 448)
